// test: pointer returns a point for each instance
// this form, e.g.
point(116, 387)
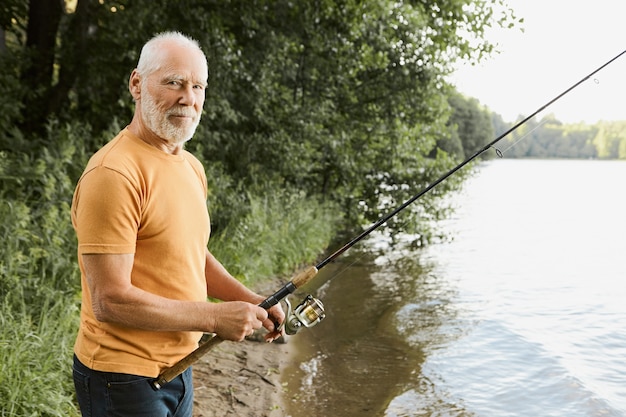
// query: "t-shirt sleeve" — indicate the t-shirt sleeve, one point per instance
point(106, 212)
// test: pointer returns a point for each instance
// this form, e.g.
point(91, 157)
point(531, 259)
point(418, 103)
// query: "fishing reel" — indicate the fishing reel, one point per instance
point(307, 314)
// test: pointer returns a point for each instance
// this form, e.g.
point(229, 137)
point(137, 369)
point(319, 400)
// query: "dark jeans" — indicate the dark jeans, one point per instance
point(110, 394)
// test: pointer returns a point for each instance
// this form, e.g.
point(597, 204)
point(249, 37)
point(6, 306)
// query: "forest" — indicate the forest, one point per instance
point(320, 117)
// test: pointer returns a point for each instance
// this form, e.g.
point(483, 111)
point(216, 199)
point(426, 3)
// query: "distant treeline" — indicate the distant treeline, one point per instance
point(538, 138)
point(550, 138)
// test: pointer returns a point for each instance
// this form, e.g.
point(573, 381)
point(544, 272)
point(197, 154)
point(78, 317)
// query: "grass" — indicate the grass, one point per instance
point(35, 372)
point(280, 233)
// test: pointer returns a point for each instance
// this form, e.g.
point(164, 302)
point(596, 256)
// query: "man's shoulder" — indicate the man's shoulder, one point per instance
point(118, 156)
point(115, 149)
point(191, 158)
point(196, 165)
point(127, 153)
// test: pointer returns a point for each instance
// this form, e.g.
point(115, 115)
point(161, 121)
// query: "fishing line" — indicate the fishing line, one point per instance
point(311, 311)
point(501, 153)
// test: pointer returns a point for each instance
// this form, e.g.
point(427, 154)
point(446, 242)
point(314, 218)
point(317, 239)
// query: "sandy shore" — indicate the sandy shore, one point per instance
point(241, 379)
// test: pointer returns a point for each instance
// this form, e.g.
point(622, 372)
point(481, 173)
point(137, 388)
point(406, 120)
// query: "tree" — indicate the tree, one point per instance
point(550, 138)
point(472, 123)
point(36, 74)
point(608, 139)
point(337, 98)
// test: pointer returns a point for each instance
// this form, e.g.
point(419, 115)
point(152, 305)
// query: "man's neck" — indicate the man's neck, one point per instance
point(142, 132)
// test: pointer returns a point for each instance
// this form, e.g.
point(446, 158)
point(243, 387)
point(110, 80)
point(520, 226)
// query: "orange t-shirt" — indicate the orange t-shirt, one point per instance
point(135, 198)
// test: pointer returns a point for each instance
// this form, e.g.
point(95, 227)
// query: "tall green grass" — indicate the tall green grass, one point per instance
point(35, 372)
point(280, 232)
point(38, 279)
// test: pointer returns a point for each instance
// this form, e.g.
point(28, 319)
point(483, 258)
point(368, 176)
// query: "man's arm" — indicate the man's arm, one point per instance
point(222, 285)
point(116, 300)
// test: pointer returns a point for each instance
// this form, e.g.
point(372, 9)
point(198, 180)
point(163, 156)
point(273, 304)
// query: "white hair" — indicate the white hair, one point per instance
point(149, 59)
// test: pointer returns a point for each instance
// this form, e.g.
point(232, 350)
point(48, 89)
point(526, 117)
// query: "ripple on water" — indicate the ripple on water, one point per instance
point(493, 371)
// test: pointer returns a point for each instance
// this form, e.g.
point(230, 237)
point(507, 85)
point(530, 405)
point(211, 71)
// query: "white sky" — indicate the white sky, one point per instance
point(563, 41)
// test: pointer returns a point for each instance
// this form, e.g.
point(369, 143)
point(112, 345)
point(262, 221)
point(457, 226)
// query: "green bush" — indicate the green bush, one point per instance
point(36, 191)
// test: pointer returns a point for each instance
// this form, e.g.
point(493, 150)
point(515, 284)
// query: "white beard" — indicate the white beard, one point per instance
point(158, 122)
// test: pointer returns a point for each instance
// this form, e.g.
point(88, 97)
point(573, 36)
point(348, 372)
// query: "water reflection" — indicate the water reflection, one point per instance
point(383, 314)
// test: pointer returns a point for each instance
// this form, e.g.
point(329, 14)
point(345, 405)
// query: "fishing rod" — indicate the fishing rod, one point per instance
point(311, 310)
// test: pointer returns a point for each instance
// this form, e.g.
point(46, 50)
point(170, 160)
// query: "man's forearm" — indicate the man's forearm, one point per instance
point(223, 286)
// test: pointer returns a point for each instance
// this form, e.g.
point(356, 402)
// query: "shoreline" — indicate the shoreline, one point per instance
point(242, 379)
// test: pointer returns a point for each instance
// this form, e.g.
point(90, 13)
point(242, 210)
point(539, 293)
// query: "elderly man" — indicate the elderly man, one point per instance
point(140, 215)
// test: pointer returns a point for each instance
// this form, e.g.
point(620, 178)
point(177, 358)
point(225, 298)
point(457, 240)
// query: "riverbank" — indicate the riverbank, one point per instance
point(242, 379)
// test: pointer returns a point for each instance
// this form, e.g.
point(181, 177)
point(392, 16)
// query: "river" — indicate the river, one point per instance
point(521, 314)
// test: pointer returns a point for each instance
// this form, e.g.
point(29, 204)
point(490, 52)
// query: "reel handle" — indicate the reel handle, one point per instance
point(304, 277)
point(296, 282)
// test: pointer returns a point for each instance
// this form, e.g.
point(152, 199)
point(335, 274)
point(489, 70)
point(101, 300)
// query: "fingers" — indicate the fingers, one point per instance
point(276, 334)
point(273, 324)
point(261, 315)
point(237, 319)
point(255, 321)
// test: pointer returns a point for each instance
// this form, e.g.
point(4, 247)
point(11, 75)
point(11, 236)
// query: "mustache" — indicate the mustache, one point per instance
point(182, 112)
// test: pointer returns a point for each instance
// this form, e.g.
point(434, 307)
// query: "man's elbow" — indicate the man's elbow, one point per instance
point(103, 310)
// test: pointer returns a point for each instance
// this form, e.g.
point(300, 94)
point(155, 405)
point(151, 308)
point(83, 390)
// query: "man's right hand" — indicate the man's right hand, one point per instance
point(234, 320)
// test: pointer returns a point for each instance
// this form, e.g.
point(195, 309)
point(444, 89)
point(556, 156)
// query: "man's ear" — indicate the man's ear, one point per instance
point(134, 85)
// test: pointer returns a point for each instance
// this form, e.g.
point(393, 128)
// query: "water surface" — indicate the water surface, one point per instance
point(522, 314)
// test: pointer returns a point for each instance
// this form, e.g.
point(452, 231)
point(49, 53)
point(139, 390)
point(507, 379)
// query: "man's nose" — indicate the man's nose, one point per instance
point(188, 96)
